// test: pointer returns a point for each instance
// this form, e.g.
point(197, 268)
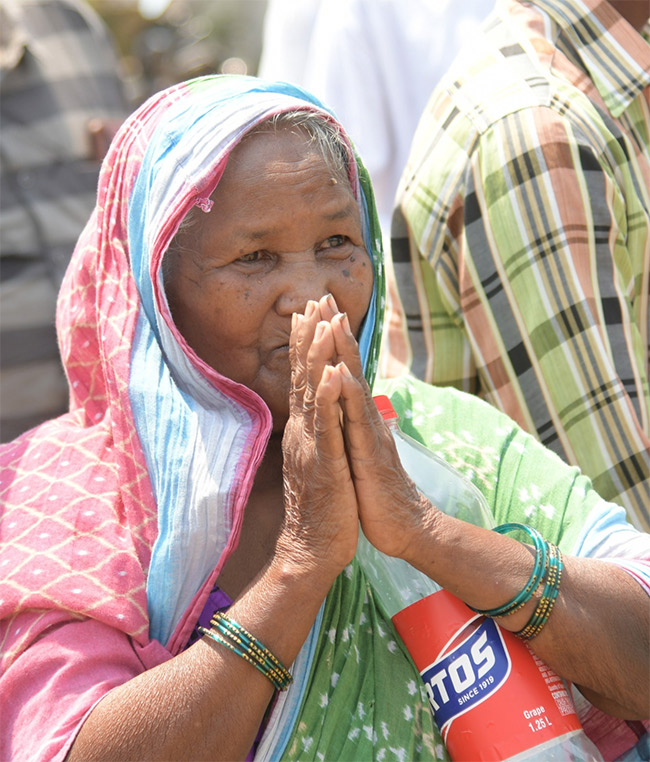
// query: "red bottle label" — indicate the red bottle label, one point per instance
point(491, 696)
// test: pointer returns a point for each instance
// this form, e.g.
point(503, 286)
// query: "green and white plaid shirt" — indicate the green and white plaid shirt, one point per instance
point(521, 241)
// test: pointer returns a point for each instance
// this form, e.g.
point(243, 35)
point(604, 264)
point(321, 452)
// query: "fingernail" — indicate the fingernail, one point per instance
point(343, 319)
point(344, 369)
point(331, 302)
point(320, 330)
point(327, 372)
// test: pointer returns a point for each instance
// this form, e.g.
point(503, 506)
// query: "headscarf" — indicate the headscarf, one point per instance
point(153, 464)
point(124, 510)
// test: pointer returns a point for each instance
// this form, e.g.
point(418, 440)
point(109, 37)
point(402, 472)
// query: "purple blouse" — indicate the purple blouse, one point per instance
point(219, 601)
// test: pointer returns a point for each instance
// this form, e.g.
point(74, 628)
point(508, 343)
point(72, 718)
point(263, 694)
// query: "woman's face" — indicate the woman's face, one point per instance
point(282, 231)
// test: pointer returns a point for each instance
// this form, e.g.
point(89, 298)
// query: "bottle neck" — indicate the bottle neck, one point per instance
point(392, 423)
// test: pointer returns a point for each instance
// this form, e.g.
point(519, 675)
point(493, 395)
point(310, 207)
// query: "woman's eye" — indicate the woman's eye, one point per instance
point(334, 241)
point(254, 256)
point(336, 247)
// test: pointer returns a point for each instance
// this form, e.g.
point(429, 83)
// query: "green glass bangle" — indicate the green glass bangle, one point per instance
point(542, 612)
point(539, 567)
point(236, 632)
point(277, 679)
point(256, 651)
point(278, 682)
point(243, 642)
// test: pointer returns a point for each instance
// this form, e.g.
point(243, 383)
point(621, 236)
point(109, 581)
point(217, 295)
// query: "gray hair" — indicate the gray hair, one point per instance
point(321, 131)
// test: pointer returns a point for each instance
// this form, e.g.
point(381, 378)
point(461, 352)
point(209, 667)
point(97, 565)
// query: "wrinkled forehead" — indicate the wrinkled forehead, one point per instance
point(187, 156)
point(312, 133)
point(287, 149)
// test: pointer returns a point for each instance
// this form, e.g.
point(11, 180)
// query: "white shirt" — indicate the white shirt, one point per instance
point(375, 63)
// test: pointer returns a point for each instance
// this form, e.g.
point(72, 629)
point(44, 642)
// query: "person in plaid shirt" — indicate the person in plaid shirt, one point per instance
point(521, 236)
point(61, 99)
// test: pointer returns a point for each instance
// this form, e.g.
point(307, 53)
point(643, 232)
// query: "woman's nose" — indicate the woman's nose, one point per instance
point(301, 282)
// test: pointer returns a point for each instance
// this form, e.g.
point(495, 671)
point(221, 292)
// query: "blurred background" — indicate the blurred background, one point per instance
point(161, 42)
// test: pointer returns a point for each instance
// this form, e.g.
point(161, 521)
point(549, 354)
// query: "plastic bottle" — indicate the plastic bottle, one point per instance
point(492, 697)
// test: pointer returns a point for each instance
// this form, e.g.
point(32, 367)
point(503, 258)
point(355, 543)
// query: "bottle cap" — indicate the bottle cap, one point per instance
point(385, 407)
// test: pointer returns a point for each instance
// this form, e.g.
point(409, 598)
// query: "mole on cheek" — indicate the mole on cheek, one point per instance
point(346, 272)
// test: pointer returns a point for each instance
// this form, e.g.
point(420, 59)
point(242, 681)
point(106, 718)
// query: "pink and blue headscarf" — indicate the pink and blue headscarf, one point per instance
point(147, 476)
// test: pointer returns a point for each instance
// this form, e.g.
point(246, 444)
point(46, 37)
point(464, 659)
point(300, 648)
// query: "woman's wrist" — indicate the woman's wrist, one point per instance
point(284, 593)
point(412, 532)
point(303, 571)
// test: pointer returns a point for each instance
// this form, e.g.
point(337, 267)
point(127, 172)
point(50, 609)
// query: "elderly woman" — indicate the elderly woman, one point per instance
point(221, 451)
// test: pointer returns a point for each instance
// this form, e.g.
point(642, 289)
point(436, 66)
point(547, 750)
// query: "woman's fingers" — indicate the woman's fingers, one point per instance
point(328, 307)
point(302, 334)
point(335, 436)
point(390, 507)
point(347, 348)
point(320, 339)
point(327, 431)
point(312, 348)
point(307, 331)
point(321, 508)
point(319, 357)
point(364, 428)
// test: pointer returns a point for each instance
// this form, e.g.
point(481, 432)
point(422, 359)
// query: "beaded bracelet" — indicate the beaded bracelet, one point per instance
point(253, 646)
point(240, 652)
point(243, 639)
point(545, 604)
point(241, 636)
point(536, 577)
point(235, 637)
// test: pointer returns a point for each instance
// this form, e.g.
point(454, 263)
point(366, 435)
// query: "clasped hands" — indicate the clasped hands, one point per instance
point(340, 463)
